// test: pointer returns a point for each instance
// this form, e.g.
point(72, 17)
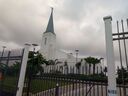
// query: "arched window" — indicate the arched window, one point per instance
point(45, 42)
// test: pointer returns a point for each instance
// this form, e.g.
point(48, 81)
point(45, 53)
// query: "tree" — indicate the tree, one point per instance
point(66, 66)
point(3, 67)
point(35, 61)
point(34, 65)
point(14, 69)
point(50, 62)
point(53, 62)
point(3, 70)
point(122, 73)
point(65, 63)
point(105, 70)
point(92, 60)
point(78, 65)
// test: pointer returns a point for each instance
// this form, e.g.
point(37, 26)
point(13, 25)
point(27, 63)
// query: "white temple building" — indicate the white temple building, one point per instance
point(51, 51)
point(49, 48)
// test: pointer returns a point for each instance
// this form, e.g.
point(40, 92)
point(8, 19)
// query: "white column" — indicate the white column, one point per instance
point(110, 57)
point(23, 71)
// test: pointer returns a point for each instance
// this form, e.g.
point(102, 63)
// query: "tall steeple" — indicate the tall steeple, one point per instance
point(48, 44)
point(50, 26)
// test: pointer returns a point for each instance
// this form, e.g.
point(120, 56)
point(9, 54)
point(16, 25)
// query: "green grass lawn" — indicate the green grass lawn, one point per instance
point(41, 85)
point(37, 85)
point(9, 84)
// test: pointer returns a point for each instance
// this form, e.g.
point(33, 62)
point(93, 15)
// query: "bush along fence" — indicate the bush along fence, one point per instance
point(71, 81)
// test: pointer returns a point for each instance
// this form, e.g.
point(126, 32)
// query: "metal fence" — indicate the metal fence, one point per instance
point(83, 81)
point(10, 62)
point(57, 83)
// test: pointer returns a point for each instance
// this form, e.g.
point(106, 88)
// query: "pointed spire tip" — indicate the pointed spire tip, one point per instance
point(50, 26)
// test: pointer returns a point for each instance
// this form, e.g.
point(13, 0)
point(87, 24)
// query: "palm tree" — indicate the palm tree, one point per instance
point(92, 60)
point(53, 63)
point(66, 66)
point(65, 63)
point(78, 65)
point(88, 60)
point(105, 70)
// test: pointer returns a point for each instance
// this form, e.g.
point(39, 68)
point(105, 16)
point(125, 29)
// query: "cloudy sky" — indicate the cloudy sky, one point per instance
point(78, 23)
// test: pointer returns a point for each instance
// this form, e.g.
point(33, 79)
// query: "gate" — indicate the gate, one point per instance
point(58, 82)
point(121, 37)
point(70, 81)
point(10, 62)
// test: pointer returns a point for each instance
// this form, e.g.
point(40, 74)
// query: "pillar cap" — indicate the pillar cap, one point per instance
point(107, 17)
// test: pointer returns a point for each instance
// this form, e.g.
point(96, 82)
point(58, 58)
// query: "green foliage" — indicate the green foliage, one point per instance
point(55, 72)
point(122, 73)
point(78, 64)
point(14, 69)
point(34, 65)
point(35, 61)
point(3, 67)
point(65, 63)
point(92, 60)
point(53, 62)
point(105, 69)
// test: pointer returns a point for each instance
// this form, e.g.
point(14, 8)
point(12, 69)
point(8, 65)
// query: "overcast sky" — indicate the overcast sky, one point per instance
point(78, 23)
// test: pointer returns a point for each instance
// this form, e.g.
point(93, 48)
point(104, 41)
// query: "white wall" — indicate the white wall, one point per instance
point(48, 49)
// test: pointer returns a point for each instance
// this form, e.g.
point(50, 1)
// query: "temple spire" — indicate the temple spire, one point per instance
point(50, 26)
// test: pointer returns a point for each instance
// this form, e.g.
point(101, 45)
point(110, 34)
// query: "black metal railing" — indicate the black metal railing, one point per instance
point(72, 83)
point(9, 72)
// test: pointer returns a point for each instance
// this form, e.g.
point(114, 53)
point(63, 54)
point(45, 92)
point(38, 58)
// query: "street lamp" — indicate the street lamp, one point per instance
point(76, 54)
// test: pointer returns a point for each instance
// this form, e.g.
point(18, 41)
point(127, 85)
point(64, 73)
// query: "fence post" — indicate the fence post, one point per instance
point(110, 57)
point(57, 90)
point(23, 71)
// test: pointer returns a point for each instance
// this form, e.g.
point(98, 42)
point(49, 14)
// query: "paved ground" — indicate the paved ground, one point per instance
point(78, 90)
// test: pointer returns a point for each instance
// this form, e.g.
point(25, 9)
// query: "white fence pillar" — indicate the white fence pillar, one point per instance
point(110, 57)
point(23, 71)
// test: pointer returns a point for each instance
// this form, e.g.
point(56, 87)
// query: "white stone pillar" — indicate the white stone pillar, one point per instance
point(23, 71)
point(110, 57)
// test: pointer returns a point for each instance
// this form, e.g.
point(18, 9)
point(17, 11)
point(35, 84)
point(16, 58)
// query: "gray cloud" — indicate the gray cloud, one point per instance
point(74, 9)
point(20, 21)
point(78, 23)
